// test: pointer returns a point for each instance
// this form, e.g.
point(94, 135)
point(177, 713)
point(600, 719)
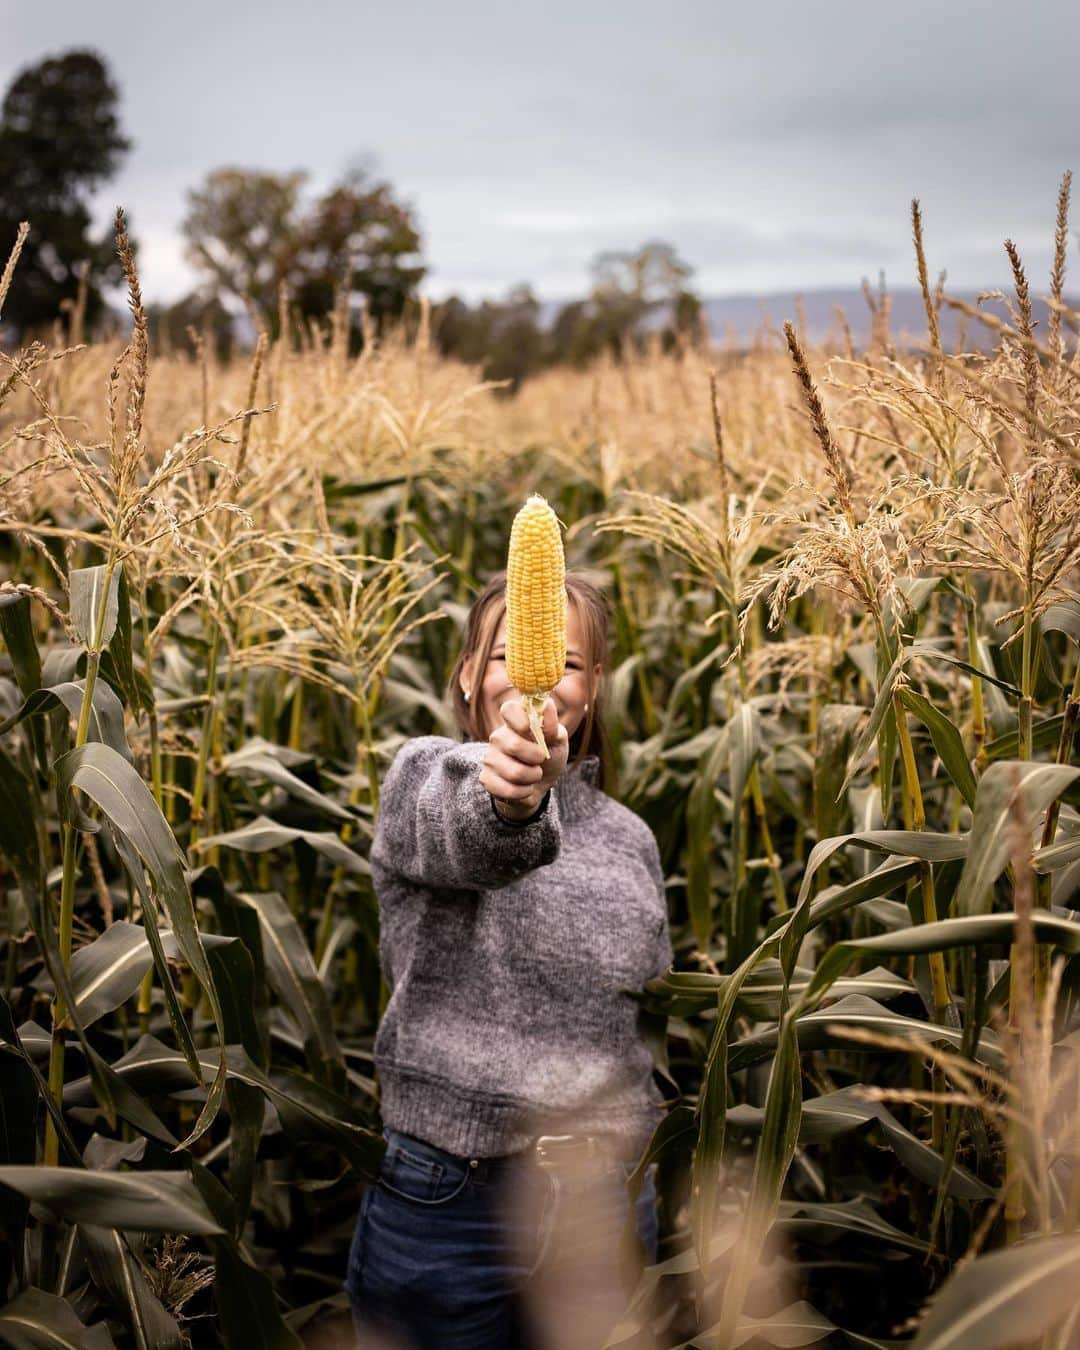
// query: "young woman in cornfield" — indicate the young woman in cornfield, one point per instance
point(518, 904)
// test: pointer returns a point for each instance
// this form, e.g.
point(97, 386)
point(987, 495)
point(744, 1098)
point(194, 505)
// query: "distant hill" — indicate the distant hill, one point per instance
point(745, 316)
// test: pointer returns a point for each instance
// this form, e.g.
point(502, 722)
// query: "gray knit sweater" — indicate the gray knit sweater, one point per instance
point(507, 949)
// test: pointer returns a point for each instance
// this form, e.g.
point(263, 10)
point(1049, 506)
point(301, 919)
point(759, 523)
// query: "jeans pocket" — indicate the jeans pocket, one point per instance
point(421, 1173)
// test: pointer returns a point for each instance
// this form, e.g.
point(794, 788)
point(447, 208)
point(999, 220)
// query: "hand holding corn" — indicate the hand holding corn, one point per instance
point(535, 608)
point(515, 770)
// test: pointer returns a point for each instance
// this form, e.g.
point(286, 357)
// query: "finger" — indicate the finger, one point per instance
point(549, 721)
point(558, 753)
point(517, 746)
point(515, 716)
point(512, 770)
point(500, 787)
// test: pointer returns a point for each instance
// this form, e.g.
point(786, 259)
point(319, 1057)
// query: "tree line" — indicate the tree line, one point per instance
point(261, 246)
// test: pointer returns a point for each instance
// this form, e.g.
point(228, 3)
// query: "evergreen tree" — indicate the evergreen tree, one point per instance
point(60, 138)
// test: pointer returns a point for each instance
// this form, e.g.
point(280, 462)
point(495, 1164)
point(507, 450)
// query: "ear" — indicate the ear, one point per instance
point(465, 679)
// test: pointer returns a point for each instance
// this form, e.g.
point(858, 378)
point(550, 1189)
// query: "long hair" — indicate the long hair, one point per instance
point(487, 610)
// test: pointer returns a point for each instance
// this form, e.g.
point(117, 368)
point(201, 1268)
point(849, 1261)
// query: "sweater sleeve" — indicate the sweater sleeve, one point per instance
point(436, 826)
point(664, 954)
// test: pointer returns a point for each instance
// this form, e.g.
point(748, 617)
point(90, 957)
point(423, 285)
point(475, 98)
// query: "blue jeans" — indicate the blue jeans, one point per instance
point(462, 1257)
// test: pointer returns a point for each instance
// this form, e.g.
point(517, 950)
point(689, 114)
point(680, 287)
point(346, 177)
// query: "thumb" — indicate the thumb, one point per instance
point(550, 724)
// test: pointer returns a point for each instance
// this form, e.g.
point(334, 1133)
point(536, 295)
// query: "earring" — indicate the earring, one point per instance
point(467, 695)
point(586, 709)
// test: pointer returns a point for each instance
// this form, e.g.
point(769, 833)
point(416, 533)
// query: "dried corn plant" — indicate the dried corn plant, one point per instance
point(845, 650)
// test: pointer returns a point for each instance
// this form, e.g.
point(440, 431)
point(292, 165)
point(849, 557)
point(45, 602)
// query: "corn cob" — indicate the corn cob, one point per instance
point(535, 608)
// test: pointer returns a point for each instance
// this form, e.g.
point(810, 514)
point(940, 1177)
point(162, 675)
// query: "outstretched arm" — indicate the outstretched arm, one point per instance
point(437, 825)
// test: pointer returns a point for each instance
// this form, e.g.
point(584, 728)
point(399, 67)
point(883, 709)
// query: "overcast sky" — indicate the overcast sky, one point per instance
point(776, 143)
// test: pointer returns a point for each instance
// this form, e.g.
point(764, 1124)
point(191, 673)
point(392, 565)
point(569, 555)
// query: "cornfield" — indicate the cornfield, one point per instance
point(843, 693)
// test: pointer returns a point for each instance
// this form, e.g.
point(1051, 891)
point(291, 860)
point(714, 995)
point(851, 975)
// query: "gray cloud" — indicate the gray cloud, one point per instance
point(777, 146)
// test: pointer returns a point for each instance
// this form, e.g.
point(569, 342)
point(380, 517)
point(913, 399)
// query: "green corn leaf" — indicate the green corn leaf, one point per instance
point(340, 488)
point(118, 1274)
point(88, 593)
point(1063, 617)
point(140, 828)
point(1044, 734)
point(18, 1125)
point(292, 973)
point(106, 972)
point(1004, 786)
point(20, 840)
point(947, 742)
point(260, 761)
point(878, 714)
point(127, 1104)
point(16, 629)
point(779, 1135)
point(119, 666)
point(35, 1320)
point(977, 930)
point(834, 900)
point(681, 688)
point(306, 1108)
point(160, 1202)
point(150, 1066)
point(784, 942)
point(17, 1044)
point(247, 1304)
point(836, 724)
point(263, 834)
point(1006, 1298)
point(816, 1030)
point(1055, 857)
point(18, 634)
point(106, 711)
point(744, 741)
point(928, 650)
point(838, 1113)
point(700, 812)
point(825, 1221)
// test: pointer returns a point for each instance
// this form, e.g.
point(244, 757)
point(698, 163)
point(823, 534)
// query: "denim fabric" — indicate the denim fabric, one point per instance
point(445, 1254)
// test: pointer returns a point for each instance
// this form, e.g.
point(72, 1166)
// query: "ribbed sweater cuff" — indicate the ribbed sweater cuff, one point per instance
point(506, 820)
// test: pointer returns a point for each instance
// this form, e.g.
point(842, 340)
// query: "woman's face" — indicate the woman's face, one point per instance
point(571, 694)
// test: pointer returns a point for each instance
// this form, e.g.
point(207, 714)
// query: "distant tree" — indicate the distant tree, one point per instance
point(633, 292)
point(171, 325)
point(650, 275)
point(576, 336)
point(60, 138)
point(242, 231)
point(360, 234)
point(459, 331)
point(687, 321)
point(248, 232)
point(520, 349)
point(504, 337)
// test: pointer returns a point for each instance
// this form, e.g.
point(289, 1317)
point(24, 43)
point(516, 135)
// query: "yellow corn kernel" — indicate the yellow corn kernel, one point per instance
point(535, 607)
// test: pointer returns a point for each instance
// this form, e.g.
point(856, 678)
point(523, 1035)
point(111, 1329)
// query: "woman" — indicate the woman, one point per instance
point(518, 903)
